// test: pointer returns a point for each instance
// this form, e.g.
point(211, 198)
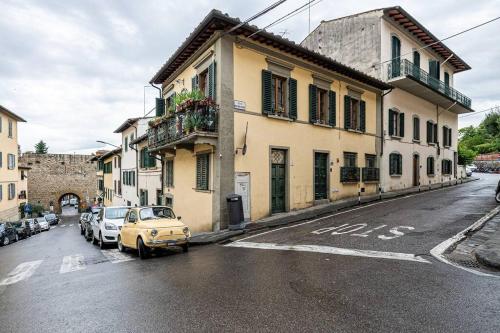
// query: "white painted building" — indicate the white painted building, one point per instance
point(140, 184)
point(150, 174)
point(417, 121)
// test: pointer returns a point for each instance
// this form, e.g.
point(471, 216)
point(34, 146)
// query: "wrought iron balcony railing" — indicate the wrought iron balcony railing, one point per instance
point(370, 174)
point(181, 124)
point(398, 68)
point(349, 174)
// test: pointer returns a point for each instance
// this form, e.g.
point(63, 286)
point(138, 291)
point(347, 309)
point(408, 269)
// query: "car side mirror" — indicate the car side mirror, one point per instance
point(179, 217)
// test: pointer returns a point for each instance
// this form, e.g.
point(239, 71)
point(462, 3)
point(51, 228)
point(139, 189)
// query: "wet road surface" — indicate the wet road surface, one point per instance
point(69, 285)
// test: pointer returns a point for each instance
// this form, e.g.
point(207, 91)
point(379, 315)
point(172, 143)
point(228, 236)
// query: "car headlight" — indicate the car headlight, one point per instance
point(185, 231)
point(154, 232)
point(110, 226)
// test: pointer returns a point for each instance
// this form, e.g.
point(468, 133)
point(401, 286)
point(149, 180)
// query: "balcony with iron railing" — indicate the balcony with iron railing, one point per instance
point(370, 174)
point(184, 126)
point(404, 74)
point(349, 174)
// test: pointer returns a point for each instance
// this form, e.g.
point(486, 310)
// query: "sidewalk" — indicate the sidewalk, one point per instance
point(488, 253)
point(314, 212)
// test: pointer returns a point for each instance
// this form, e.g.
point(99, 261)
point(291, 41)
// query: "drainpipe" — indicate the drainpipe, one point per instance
point(159, 89)
point(382, 136)
point(161, 156)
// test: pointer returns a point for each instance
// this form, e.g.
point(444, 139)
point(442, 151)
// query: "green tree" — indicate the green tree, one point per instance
point(41, 147)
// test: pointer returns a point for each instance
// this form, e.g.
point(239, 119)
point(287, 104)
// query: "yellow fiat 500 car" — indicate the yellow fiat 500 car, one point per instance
point(149, 228)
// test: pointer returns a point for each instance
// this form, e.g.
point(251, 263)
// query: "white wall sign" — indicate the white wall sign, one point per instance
point(240, 105)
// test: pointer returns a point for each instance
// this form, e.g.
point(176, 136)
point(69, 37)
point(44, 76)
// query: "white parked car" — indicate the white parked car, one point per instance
point(73, 201)
point(43, 223)
point(108, 226)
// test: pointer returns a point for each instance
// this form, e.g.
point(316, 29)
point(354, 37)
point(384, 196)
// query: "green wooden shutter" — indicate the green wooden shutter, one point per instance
point(362, 116)
point(449, 137)
point(347, 112)
point(212, 82)
point(391, 122)
point(202, 171)
point(313, 103)
point(332, 108)
point(267, 92)
point(160, 107)
point(429, 132)
point(402, 125)
point(292, 98)
point(391, 164)
point(435, 130)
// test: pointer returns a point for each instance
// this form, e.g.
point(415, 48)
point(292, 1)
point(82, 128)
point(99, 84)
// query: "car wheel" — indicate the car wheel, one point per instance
point(87, 236)
point(185, 247)
point(81, 231)
point(101, 242)
point(142, 249)
point(497, 197)
point(94, 241)
point(120, 245)
point(17, 238)
point(6, 240)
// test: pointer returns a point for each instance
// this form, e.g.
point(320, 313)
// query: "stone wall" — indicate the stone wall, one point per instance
point(54, 175)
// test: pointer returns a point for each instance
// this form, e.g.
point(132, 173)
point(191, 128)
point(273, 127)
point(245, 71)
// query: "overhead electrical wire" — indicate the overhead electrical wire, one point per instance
point(259, 14)
point(494, 108)
point(289, 15)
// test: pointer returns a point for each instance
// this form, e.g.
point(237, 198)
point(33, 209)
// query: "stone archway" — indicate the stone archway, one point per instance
point(62, 194)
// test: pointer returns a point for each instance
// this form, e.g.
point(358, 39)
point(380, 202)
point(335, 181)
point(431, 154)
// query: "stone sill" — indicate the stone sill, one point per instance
point(280, 117)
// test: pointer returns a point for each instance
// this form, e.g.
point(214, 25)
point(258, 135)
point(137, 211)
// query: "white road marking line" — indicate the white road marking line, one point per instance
point(331, 250)
point(63, 225)
point(438, 250)
point(344, 212)
point(53, 227)
point(72, 263)
point(21, 272)
point(115, 256)
point(71, 225)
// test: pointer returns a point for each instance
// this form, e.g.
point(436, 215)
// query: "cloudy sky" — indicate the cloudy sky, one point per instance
point(76, 69)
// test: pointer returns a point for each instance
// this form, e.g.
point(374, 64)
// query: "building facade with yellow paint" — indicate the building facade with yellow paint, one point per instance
point(9, 172)
point(110, 171)
point(284, 127)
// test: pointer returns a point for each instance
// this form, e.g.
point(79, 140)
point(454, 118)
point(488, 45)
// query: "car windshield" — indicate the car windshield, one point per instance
point(50, 216)
point(17, 224)
point(154, 213)
point(115, 213)
point(40, 219)
point(2, 226)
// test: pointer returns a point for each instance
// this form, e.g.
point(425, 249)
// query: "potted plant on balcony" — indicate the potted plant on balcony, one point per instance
point(187, 124)
point(196, 121)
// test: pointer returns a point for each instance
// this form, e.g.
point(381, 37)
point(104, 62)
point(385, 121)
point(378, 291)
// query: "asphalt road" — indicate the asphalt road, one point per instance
point(228, 288)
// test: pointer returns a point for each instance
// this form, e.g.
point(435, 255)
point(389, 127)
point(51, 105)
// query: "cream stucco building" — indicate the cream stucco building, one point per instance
point(284, 127)
point(418, 125)
point(9, 172)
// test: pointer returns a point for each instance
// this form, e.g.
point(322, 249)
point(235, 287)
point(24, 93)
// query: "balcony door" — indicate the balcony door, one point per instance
point(320, 176)
point(396, 56)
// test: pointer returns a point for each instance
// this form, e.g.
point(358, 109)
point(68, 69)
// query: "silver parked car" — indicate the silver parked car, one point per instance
point(44, 224)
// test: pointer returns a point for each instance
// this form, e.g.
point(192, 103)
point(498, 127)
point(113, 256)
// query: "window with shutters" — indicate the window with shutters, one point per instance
point(416, 128)
point(446, 167)
point(396, 123)
point(350, 160)
point(446, 136)
point(125, 144)
point(430, 166)
point(354, 114)
point(279, 91)
point(143, 197)
point(202, 171)
point(12, 191)
point(11, 129)
point(11, 161)
point(370, 161)
point(395, 164)
point(432, 130)
point(169, 173)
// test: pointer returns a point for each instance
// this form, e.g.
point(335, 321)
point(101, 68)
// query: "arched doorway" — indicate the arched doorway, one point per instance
point(69, 204)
